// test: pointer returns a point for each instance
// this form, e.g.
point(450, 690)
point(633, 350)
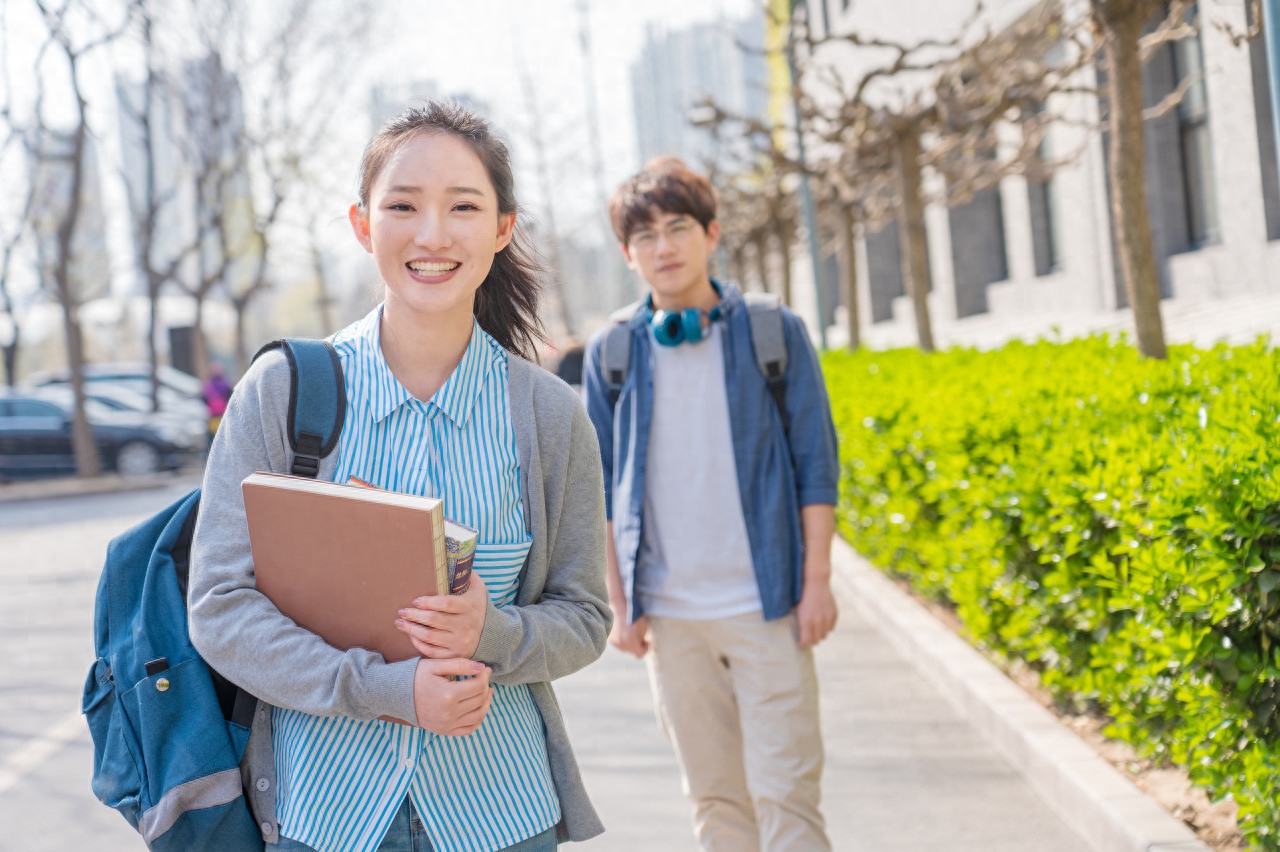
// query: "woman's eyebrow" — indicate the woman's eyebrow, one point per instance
point(456, 190)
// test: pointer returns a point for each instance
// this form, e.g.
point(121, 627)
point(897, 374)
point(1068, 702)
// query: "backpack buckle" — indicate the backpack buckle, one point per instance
point(306, 458)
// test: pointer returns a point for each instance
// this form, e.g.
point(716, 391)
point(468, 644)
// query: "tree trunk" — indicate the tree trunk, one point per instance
point(153, 351)
point(737, 267)
point(199, 346)
point(82, 442)
point(911, 231)
point(849, 256)
point(11, 356)
point(1128, 182)
point(784, 255)
point(242, 345)
point(762, 262)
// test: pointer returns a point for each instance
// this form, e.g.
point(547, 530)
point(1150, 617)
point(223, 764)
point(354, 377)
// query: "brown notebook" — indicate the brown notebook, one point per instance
point(342, 561)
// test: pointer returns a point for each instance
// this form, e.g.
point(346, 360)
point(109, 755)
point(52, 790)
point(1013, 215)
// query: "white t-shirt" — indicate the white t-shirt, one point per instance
point(695, 560)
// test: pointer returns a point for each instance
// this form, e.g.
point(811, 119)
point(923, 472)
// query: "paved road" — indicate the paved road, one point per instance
point(904, 772)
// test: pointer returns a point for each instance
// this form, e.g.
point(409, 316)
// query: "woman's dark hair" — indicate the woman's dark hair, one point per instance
point(507, 302)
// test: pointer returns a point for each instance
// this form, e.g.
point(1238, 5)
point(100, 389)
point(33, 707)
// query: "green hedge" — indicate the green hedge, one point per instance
point(1113, 521)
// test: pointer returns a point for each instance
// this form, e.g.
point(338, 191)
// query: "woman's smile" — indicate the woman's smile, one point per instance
point(432, 271)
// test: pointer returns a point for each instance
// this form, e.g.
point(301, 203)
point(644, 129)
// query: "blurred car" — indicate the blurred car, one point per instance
point(191, 422)
point(178, 391)
point(35, 438)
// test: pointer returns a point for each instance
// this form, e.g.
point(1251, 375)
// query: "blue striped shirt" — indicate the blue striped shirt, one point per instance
point(340, 781)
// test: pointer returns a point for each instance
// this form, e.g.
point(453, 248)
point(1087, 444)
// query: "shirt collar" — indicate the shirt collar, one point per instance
point(458, 395)
point(381, 392)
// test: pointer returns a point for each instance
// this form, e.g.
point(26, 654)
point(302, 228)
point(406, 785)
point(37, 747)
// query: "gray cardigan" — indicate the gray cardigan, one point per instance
point(559, 623)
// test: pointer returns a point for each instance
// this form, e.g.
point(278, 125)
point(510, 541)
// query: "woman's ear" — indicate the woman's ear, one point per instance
point(506, 227)
point(360, 225)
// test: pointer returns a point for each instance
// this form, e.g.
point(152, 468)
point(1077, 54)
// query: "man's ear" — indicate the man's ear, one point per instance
point(626, 255)
point(506, 228)
point(713, 235)
point(360, 225)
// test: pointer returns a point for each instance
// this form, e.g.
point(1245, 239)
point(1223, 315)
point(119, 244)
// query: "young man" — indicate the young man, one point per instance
point(721, 513)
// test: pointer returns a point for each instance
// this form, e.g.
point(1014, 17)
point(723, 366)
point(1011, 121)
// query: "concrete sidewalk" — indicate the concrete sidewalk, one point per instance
point(904, 771)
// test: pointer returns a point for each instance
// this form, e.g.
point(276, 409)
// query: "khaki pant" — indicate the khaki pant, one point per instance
point(738, 699)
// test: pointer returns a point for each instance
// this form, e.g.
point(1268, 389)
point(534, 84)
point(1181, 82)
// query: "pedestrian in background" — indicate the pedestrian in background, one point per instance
point(217, 392)
point(721, 516)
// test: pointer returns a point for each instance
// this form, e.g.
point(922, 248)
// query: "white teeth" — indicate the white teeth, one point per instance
point(432, 268)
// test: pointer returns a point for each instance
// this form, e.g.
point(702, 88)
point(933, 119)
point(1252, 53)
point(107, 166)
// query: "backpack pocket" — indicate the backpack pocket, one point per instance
point(117, 781)
point(181, 730)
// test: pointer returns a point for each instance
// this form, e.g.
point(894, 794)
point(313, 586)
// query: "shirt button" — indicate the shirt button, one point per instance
point(408, 763)
point(263, 784)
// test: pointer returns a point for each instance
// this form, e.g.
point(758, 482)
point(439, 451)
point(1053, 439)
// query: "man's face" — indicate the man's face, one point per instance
point(670, 253)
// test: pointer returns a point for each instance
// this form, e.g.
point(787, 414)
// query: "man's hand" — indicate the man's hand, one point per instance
point(453, 708)
point(442, 627)
point(816, 614)
point(632, 638)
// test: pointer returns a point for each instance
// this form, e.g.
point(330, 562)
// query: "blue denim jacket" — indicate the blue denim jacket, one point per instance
point(774, 480)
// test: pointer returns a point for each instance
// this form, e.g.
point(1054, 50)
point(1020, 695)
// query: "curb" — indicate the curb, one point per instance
point(76, 486)
point(1088, 793)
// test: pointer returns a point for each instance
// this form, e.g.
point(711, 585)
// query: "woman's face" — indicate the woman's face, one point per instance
point(433, 225)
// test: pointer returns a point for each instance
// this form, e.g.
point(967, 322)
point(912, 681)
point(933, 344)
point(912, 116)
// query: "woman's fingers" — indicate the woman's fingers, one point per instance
point(425, 617)
point(441, 603)
point(430, 635)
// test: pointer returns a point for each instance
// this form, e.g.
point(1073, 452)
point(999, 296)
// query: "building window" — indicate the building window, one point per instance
point(1266, 130)
point(1044, 241)
point(1197, 149)
point(884, 270)
point(978, 256)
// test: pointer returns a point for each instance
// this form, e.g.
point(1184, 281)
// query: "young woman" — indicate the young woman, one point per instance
point(439, 402)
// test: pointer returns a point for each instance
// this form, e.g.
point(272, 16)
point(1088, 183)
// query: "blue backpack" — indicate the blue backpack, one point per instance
point(169, 731)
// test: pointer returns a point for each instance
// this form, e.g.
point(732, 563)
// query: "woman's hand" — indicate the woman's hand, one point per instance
point(453, 708)
point(442, 627)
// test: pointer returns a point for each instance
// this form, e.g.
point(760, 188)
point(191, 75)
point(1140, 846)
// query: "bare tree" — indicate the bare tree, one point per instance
point(875, 128)
point(290, 125)
point(150, 124)
point(11, 140)
point(1121, 25)
point(213, 108)
point(538, 141)
point(66, 152)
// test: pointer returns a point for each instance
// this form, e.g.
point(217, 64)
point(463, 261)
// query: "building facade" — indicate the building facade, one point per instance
point(678, 69)
point(1046, 248)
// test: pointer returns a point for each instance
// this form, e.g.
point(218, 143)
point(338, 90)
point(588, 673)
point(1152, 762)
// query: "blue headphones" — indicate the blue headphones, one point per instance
point(671, 328)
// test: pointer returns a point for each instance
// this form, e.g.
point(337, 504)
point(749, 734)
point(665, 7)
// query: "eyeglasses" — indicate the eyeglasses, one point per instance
point(647, 238)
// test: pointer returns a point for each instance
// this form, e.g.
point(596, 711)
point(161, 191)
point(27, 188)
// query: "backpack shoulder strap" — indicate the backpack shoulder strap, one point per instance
point(615, 354)
point(769, 342)
point(317, 400)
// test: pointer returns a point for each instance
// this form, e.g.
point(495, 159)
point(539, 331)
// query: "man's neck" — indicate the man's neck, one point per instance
point(701, 295)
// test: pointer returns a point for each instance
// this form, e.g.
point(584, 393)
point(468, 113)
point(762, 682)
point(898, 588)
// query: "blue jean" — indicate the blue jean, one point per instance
point(408, 834)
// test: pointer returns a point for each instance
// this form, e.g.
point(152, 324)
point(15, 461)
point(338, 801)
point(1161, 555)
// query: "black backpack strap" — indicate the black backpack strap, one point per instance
point(317, 400)
point(768, 340)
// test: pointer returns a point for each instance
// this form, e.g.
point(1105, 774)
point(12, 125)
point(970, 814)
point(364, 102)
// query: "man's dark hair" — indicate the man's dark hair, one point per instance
point(664, 185)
